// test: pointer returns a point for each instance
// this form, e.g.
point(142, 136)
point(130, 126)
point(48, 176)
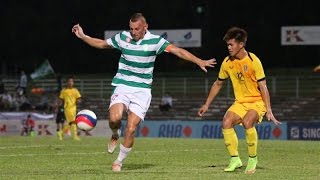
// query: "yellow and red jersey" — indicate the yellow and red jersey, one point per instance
point(244, 74)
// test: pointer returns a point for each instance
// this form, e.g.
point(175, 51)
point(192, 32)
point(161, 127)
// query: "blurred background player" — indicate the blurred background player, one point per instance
point(252, 98)
point(24, 127)
point(30, 125)
point(133, 80)
point(70, 97)
point(27, 126)
point(60, 118)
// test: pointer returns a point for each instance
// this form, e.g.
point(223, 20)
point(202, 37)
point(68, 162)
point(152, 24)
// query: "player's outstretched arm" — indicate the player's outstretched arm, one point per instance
point(186, 55)
point(215, 89)
point(94, 42)
point(266, 98)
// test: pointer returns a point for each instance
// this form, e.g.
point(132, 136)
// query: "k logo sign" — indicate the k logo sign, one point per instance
point(300, 35)
point(292, 36)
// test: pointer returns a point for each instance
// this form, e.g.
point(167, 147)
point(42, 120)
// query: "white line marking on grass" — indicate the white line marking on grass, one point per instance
point(168, 151)
point(39, 146)
point(97, 153)
point(29, 146)
point(56, 154)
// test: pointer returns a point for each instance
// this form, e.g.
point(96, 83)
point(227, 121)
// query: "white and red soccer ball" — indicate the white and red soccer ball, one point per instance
point(86, 120)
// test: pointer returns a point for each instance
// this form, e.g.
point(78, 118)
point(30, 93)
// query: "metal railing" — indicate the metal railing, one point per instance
point(292, 87)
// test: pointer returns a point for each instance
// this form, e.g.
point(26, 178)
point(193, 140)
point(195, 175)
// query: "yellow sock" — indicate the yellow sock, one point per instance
point(74, 130)
point(60, 131)
point(65, 128)
point(231, 141)
point(252, 141)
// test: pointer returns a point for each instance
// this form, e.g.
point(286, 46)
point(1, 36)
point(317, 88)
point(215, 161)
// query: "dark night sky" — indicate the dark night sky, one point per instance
point(35, 30)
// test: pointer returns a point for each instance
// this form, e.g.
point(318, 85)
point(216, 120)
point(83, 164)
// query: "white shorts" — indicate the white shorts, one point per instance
point(136, 100)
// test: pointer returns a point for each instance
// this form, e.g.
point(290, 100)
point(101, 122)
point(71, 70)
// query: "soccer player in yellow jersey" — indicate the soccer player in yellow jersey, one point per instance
point(70, 97)
point(252, 100)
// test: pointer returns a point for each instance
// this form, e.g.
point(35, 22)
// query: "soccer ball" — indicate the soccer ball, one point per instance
point(86, 120)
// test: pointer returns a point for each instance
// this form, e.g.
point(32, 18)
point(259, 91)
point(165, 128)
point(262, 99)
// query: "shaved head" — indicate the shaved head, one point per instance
point(138, 17)
point(138, 26)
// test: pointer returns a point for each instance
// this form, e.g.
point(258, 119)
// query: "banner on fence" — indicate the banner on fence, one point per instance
point(160, 129)
point(304, 130)
point(48, 128)
point(300, 35)
point(23, 115)
point(179, 129)
point(178, 37)
point(203, 129)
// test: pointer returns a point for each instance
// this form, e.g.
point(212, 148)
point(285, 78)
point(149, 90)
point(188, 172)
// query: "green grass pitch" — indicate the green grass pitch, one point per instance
point(158, 158)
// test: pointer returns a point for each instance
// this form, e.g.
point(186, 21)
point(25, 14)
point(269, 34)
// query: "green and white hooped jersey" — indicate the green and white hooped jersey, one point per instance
point(137, 58)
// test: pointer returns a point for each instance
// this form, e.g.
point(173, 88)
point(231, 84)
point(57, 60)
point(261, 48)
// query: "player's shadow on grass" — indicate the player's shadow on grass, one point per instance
point(214, 166)
point(220, 166)
point(137, 166)
point(260, 167)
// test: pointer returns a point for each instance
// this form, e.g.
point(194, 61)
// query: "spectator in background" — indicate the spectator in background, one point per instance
point(21, 103)
point(166, 102)
point(6, 100)
point(15, 102)
point(24, 103)
point(43, 105)
point(23, 83)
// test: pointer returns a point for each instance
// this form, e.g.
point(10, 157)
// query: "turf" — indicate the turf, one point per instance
point(158, 158)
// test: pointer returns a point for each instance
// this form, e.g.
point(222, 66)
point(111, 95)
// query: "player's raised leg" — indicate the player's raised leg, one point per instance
point(115, 112)
point(128, 140)
point(231, 140)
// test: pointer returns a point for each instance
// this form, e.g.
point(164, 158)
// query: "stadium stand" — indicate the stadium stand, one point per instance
point(293, 98)
point(292, 109)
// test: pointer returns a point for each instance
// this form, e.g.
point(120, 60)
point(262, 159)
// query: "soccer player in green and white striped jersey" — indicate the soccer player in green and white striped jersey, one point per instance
point(133, 80)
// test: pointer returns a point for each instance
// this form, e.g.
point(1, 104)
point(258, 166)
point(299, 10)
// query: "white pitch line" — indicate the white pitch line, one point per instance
point(39, 146)
point(56, 154)
point(28, 146)
point(97, 153)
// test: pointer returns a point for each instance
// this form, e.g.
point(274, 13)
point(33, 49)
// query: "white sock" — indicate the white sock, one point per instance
point(116, 132)
point(123, 153)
